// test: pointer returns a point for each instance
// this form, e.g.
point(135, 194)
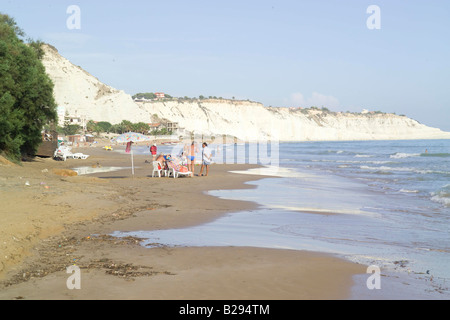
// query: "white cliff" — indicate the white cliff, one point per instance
point(253, 121)
point(78, 91)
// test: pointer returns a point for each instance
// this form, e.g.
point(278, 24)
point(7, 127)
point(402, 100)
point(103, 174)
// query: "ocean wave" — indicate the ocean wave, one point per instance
point(445, 200)
point(363, 156)
point(404, 169)
point(439, 155)
point(367, 161)
point(442, 196)
point(400, 155)
point(409, 191)
point(384, 168)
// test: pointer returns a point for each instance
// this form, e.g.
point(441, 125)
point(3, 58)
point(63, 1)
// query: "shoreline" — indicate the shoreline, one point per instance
point(112, 268)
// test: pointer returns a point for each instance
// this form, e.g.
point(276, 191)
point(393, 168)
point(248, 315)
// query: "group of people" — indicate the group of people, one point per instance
point(189, 154)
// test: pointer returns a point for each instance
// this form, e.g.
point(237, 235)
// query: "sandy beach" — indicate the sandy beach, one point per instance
point(50, 220)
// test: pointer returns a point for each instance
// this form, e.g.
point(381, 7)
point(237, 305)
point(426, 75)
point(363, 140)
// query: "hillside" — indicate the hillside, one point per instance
point(78, 92)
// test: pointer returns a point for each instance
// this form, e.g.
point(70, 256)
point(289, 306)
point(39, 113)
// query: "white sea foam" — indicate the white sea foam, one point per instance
point(443, 200)
point(409, 191)
point(322, 210)
point(274, 171)
point(384, 168)
point(365, 161)
point(403, 169)
point(400, 155)
point(442, 197)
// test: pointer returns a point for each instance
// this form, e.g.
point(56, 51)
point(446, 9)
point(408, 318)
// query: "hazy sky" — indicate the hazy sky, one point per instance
point(280, 53)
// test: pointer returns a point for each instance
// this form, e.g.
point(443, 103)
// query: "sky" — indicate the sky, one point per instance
point(298, 53)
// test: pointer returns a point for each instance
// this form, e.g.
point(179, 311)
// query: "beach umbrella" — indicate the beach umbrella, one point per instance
point(128, 138)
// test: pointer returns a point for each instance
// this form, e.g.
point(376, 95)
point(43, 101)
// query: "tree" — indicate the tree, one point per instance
point(71, 129)
point(26, 92)
point(9, 21)
point(141, 127)
point(90, 126)
point(147, 95)
point(118, 128)
point(127, 125)
point(105, 126)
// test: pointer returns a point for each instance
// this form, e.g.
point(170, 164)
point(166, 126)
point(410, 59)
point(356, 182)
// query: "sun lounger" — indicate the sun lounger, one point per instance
point(80, 156)
point(175, 168)
point(65, 153)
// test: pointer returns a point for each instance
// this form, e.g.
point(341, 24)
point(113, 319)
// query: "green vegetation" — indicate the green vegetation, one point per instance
point(69, 129)
point(161, 132)
point(150, 96)
point(98, 127)
point(26, 92)
point(106, 127)
point(127, 126)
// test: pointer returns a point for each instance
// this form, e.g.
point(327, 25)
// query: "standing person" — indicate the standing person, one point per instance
point(192, 150)
point(206, 159)
point(153, 151)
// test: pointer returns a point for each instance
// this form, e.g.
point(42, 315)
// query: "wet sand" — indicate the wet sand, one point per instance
point(51, 220)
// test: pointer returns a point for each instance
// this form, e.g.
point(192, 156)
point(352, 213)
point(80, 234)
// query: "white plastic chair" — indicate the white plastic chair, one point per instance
point(80, 156)
point(63, 153)
point(157, 167)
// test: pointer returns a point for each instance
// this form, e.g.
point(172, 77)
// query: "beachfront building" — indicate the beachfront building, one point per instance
point(76, 119)
point(172, 127)
point(160, 95)
point(155, 126)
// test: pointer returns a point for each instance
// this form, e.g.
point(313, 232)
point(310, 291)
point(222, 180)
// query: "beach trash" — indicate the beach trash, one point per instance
point(65, 172)
point(27, 183)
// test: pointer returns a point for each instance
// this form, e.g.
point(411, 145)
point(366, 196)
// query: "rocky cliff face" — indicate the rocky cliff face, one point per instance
point(253, 121)
point(76, 91)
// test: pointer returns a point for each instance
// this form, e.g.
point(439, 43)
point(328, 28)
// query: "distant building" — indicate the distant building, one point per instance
point(155, 126)
point(61, 111)
point(172, 126)
point(160, 95)
point(75, 119)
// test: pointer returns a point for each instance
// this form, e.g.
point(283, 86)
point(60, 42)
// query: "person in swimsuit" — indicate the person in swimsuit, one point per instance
point(192, 150)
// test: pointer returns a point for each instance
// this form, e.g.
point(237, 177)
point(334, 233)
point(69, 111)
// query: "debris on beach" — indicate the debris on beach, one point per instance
point(65, 172)
point(56, 255)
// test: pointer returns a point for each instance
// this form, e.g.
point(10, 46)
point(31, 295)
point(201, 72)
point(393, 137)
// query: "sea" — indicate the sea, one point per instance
point(378, 203)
